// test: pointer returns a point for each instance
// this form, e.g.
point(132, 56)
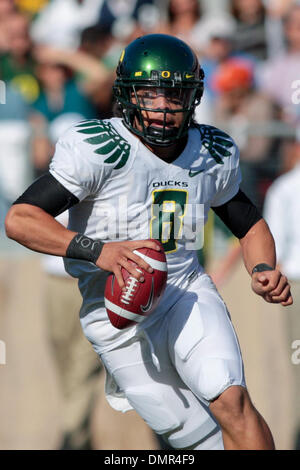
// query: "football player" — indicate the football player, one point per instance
point(129, 179)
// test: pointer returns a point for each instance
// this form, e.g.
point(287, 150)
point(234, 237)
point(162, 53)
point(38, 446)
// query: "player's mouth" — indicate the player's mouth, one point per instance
point(159, 124)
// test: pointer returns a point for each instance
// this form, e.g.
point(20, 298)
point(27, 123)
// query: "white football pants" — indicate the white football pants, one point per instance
point(170, 371)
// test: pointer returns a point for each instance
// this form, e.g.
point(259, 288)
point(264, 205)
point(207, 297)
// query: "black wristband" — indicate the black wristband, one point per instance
point(82, 247)
point(259, 268)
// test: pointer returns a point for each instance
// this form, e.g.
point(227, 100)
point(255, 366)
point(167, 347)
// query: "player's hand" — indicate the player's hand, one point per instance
point(273, 286)
point(116, 255)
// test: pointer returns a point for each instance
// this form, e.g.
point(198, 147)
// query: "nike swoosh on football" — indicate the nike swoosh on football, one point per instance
point(194, 173)
point(147, 307)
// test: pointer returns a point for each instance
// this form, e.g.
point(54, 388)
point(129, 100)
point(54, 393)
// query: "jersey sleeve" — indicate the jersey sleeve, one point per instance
point(228, 179)
point(75, 166)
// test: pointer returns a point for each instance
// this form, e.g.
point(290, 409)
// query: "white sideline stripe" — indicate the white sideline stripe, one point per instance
point(122, 312)
point(155, 264)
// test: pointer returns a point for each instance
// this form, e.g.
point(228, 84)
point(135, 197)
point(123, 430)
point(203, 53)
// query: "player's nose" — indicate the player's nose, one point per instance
point(161, 102)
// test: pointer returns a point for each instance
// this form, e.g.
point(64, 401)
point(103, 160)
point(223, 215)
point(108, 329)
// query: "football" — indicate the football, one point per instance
point(129, 307)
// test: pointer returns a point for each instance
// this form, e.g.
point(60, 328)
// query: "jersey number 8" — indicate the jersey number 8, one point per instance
point(168, 210)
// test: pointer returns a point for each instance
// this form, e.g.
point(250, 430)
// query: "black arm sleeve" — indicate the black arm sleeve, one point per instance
point(239, 214)
point(48, 194)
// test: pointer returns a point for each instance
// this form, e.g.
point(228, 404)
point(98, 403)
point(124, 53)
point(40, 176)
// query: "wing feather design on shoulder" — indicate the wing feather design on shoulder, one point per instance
point(216, 142)
point(109, 143)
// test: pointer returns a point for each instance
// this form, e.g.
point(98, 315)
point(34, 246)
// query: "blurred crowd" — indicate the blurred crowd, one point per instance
point(58, 61)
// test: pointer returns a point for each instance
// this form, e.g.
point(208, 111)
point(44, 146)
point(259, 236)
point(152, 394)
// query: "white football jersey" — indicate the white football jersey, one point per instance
point(127, 193)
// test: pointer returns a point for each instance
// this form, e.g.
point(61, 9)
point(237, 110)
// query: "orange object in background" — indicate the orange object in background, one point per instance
point(232, 74)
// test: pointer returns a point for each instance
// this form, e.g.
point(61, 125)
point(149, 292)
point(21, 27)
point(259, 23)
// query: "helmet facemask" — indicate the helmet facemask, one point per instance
point(136, 104)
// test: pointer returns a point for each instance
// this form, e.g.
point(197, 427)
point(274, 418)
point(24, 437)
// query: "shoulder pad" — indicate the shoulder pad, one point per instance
point(109, 142)
point(217, 142)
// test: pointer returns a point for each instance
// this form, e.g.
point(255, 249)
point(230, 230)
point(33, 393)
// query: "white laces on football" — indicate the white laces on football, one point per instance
point(130, 286)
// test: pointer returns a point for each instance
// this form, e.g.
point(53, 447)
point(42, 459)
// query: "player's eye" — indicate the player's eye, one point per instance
point(148, 95)
point(145, 95)
point(175, 96)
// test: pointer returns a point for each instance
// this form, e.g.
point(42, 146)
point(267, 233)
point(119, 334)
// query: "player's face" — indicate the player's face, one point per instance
point(160, 100)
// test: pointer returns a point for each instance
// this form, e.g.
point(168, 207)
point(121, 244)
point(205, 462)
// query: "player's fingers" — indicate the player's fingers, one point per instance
point(145, 244)
point(132, 269)
point(267, 298)
point(283, 296)
point(118, 274)
point(269, 280)
point(280, 286)
point(288, 302)
point(138, 260)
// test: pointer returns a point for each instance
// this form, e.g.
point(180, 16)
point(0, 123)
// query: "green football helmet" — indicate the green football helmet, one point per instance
point(163, 63)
